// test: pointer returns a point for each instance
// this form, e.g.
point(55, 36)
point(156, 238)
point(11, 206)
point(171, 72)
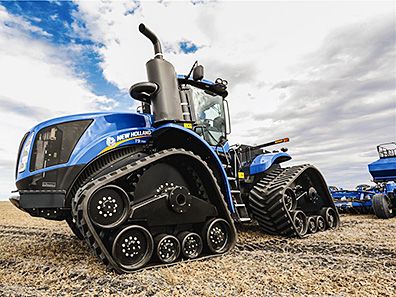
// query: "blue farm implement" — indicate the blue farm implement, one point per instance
point(383, 172)
point(355, 201)
point(163, 184)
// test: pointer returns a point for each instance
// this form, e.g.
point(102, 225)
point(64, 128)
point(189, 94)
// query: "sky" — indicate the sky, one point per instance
point(321, 73)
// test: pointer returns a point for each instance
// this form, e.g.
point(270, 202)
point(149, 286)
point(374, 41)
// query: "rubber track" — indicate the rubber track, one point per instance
point(266, 203)
point(86, 227)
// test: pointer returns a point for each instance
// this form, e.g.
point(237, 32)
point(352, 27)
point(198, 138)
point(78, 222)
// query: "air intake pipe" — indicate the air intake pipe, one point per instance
point(166, 100)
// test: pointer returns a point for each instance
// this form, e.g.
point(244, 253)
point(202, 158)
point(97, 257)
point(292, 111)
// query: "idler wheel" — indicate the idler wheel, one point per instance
point(300, 222)
point(312, 225)
point(320, 222)
point(289, 199)
point(168, 248)
point(218, 235)
point(133, 247)
point(191, 244)
point(180, 199)
point(108, 207)
point(331, 218)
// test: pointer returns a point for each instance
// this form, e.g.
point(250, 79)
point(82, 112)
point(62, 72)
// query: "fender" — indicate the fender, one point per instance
point(262, 162)
point(175, 136)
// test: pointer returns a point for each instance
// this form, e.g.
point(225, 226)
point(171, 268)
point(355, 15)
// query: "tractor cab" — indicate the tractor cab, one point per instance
point(207, 108)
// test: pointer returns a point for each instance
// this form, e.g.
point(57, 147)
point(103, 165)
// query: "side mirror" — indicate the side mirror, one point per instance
point(198, 73)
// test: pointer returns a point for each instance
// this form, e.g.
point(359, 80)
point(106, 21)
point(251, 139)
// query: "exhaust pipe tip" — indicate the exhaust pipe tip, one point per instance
point(153, 38)
point(142, 28)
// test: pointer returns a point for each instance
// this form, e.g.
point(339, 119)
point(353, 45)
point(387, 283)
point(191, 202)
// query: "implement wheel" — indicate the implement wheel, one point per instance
point(382, 206)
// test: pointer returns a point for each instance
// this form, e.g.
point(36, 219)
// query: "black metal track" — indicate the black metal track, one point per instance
point(267, 205)
point(86, 226)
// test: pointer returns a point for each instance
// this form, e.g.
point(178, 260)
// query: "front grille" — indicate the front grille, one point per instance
point(54, 144)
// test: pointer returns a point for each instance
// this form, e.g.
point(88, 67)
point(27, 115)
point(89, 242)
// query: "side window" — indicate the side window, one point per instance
point(210, 116)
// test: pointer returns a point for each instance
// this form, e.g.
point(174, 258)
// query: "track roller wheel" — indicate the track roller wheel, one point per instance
point(217, 233)
point(133, 247)
point(289, 199)
point(312, 225)
point(331, 218)
point(300, 222)
point(191, 244)
point(108, 207)
point(320, 222)
point(168, 248)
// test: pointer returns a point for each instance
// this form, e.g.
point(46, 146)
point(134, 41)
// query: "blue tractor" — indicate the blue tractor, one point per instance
point(383, 172)
point(163, 184)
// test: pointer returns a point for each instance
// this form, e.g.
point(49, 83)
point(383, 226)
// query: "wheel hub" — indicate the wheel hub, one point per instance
point(109, 206)
point(217, 235)
point(321, 223)
point(331, 218)
point(168, 248)
point(133, 247)
point(191, 245)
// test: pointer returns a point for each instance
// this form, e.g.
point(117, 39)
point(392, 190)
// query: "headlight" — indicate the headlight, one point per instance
point(25, 154)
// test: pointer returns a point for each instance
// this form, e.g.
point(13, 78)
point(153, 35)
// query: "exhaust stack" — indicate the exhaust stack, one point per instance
point(153, 38)
point(166, 100)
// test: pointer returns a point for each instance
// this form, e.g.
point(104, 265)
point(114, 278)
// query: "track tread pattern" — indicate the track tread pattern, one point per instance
point(266, 201)
point(86, 227)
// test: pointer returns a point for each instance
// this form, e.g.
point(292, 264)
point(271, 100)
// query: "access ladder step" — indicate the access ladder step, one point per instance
point(245, 219)
point(240, 205)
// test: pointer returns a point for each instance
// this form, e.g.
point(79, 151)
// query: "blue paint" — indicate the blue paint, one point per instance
point(263, 162)
point(93, 141)
point(383, 169)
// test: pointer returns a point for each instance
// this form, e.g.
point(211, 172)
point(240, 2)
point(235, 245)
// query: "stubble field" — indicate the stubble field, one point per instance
point(43, 258)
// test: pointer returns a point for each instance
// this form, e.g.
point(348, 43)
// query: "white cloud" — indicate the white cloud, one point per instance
point(255, 46)
point(282, 61)
point(37, 82)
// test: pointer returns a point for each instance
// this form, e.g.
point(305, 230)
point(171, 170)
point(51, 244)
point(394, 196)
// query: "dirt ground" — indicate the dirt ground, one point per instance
point(43, 258)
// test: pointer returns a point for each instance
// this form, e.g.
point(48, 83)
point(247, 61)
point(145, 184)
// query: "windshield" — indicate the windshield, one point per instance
point(209, 113)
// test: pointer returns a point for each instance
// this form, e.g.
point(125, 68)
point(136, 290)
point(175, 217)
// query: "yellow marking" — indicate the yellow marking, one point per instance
point(110, 147)
point(187, 125)
point(241, 174)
